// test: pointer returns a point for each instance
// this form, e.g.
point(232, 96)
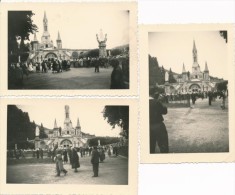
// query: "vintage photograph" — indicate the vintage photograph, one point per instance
point(67, 144)
point(53, 49)
point(188, 79)
point(188, 91)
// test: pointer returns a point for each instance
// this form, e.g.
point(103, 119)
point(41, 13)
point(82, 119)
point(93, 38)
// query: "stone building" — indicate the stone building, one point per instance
point(196, 81)
point(46, 49)
point(66, 136)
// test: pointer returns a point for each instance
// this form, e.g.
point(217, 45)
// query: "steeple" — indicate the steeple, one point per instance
point(58, 38)
point(194, 52)
point(78, 123)
point(55, 125)
point(45, 17)
point(58, 41)
point(183, 70)
point(45, 22)
point(206, 68)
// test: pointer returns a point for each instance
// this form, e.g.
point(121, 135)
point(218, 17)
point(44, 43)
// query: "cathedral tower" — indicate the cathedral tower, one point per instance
point(46, 39)
point(35, 43)
point(67, 121)
point(55, 130)
point(206, 73)
point(78, 129)
point(59, 41)
point(196, 72)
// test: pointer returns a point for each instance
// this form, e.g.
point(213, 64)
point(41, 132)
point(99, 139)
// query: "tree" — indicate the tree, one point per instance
point(19, 127)
point(42, 133)
point(118, 115)
point(103, 141)
point(171, 77)
point(222, 86)
point(20, 26)
point(115, 52)
point(156, 73)
point(94, 53)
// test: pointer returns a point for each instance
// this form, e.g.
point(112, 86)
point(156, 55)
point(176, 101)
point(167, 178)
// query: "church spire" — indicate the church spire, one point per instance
point(58, 38)
point(194, 46)
point(45, 17)
point(206, 68)
point(194, 52)
point(55, 125)
point(183, 70)
point(45, 22)
point(78, 123)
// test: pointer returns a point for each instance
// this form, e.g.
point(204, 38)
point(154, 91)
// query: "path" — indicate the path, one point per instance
point(76, 78)
point(203, 128)
point(113, 171)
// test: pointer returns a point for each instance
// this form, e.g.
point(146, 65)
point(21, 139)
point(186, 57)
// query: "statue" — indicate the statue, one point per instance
point(166, 77)
point(37, 132)
point(102, 44)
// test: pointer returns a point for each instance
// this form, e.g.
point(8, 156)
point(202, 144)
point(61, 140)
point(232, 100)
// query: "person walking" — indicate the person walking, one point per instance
point(59, 164)
point(95, 156)
point(65, 156)
point(75, 160)
point(158, 132)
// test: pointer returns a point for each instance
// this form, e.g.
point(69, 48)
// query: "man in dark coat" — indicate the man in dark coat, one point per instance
point(95, 156)
point(158, 132)
point(37, 152)
point(210, 97)
point(97, 65)
point(117, 80)
point(75, 160)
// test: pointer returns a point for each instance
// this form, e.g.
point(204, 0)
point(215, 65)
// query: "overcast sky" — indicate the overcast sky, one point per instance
point(172, 49)
point(91, 118)
point(78, 26)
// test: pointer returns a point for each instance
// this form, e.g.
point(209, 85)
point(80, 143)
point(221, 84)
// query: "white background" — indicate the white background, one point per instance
point(191, 178)
point(187, 179)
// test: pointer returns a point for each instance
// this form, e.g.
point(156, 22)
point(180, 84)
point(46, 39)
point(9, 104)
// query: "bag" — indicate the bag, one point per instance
point(78, 164)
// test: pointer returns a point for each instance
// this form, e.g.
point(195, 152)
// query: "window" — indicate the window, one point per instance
point(67, 132)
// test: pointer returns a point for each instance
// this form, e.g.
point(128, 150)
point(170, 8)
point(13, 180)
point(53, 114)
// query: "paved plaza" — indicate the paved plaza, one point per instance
point(75, 78)
point(113, 171)
point(200, 129)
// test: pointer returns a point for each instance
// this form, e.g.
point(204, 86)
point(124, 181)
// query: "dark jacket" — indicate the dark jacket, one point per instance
point(95, 157)
point(117, 80)
point(75, 159)
point(156, 110)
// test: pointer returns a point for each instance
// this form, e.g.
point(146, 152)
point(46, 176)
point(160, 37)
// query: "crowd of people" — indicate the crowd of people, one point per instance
point(185, 98)
point(17, 71)
point(69, 156)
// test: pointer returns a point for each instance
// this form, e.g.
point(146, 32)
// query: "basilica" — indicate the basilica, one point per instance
point(46, 49)
point(196, 81)
point(68, 136)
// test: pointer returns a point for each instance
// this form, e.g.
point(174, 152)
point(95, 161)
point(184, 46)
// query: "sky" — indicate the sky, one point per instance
point(172, 49)
point(78, 26)
point(91, 118)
